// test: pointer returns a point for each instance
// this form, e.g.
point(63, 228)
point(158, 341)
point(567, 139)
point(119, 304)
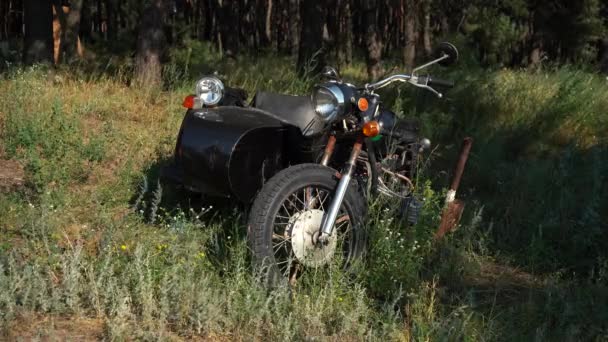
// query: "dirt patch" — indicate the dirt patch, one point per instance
point(36, 327)
point(12, 175)
point(52, 328)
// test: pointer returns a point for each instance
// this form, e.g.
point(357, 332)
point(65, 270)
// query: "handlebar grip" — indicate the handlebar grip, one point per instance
point(433, 81)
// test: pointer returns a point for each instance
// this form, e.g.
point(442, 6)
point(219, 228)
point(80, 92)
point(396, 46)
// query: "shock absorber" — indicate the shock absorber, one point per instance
point(329, 220)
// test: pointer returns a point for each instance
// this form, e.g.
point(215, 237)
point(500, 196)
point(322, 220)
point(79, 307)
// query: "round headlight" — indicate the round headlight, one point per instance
point(209, 90)
point(328, 101)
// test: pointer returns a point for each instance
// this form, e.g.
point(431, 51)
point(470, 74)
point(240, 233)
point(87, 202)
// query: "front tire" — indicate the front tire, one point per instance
point(285, 219)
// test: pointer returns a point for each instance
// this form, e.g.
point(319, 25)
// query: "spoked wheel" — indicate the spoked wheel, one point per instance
point(285, 222)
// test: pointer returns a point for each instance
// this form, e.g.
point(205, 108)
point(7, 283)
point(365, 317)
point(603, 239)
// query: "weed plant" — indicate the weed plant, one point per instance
point(94, 236)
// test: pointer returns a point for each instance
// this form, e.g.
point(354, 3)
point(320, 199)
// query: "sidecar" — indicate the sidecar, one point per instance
point(230, 150)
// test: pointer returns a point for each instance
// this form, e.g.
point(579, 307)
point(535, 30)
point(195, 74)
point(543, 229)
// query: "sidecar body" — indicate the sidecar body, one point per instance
point(229, 151)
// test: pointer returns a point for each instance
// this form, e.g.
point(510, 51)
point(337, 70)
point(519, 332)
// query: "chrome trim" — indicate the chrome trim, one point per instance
point(335, 90)
point(219, 89)
point(383, 83)
point(413, 78)
point(435, 61)
point(327, 226)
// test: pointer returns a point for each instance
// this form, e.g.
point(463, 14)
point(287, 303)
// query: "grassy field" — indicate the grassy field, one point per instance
point(93, 247)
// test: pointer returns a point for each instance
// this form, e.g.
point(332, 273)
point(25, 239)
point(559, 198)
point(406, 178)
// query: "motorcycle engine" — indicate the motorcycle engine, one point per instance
point(400, 146)
point(397, 155)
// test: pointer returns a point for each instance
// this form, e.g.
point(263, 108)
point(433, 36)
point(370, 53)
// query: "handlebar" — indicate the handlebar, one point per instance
point(419, 81)
point(383, 83)
point(433, 81)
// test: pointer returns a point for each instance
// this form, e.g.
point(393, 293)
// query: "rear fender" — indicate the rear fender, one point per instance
point(258, 155)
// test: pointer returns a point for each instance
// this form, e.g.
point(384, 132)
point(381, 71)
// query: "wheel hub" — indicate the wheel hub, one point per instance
point(304, 234)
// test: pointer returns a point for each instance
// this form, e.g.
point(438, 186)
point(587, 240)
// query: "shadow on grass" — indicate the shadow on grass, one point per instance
point(519, 306)
point(538, 166)
point(158, 196)
point(541, 177)
point(168, 204)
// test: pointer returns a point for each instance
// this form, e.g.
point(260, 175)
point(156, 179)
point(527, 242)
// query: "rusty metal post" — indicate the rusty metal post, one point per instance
point(453, 207)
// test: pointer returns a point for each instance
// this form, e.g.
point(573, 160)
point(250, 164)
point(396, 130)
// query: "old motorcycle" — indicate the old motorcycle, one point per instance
point(304, 165)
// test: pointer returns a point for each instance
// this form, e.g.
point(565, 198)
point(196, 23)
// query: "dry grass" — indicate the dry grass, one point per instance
point(77, 262)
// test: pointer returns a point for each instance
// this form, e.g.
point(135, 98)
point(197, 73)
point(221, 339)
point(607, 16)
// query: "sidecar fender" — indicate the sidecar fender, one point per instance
point(231, 151)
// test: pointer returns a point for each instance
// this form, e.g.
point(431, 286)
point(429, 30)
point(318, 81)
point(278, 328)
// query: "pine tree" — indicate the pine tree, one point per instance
point(38, 40)
point(150, 40)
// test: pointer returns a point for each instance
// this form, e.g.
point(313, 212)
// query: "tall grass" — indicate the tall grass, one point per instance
point(539, 162)
point(91, 237)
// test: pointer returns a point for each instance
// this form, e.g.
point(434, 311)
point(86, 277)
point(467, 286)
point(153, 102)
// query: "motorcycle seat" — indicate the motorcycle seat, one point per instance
point(295, 110)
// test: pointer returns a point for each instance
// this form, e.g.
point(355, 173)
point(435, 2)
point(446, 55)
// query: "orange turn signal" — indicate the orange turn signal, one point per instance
point(363, 104)
point(371, 129)
point(189, 102)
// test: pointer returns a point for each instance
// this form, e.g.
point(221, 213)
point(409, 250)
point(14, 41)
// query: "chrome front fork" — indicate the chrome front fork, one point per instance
point(327, 226)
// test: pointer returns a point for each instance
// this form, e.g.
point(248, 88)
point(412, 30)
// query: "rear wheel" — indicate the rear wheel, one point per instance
point(285, 222)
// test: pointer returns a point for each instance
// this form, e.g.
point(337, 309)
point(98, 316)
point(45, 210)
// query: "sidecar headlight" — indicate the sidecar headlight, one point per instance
point(328, 101)
point(209, 90)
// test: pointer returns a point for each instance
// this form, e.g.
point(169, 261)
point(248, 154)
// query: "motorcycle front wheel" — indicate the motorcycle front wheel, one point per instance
point(285, 220)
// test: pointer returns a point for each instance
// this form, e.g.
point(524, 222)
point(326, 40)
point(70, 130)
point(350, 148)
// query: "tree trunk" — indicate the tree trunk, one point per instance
point(535, 39)
point(188, 11)
point(217, 27)
point(345, 38)
point(383, 19)
point(263, 11)
point(348, 38)
point(86, 22)
point(169, 22)
point(284, 33)
point(99, 18)
point(604, 55)
point(445, 25)
point(247, 23)
point(11, 19)
point(268, 23)
point(38, 40)
point(276, 30)
point(400, 23)
point(4, 10)
point(150, 41)
point(71, 41)
point(310, 56)
point(373, 44)
point(331, 32)
point(112, 25)
point(426, 30)
point(392, 29)
point(294, 25)
point(198, 20)
point(210, 10)
point(536, 47)
point(59, 23)
point(534, 59)
point(409, 51)
point(229, 23)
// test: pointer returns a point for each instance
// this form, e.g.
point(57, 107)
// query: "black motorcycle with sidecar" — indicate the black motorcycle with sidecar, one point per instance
point(304, 165)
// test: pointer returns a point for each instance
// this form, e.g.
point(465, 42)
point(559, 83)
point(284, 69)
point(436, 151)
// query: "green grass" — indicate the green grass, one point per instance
point(89, 240)
point(540, 164)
